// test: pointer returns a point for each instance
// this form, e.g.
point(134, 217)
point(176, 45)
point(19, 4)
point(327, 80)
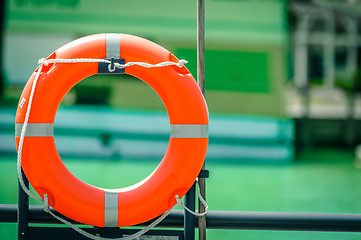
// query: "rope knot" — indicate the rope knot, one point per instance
point(181, 63)
point(43, 61)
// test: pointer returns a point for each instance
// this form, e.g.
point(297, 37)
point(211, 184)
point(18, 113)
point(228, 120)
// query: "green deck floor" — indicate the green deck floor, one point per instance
point(319, 181)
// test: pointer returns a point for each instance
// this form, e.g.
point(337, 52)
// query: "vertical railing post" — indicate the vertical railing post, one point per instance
point(189, 219)
point(23, 210)
point(201, 82)
point(2, 30)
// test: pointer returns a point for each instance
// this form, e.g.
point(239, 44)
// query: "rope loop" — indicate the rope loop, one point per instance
point(181, 204)
point(46, 204)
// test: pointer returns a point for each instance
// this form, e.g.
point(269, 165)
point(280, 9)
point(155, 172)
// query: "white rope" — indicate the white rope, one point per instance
point(43, 62)
point(181, 204)
point(22, 135)
point(118, 65)
point(94, 237)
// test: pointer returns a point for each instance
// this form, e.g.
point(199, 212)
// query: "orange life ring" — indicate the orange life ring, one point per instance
point(188, 116)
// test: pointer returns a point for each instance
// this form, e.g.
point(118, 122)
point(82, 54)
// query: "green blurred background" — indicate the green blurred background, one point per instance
point(283, 101)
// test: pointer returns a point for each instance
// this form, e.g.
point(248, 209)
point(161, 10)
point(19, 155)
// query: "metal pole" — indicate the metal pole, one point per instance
point(189, 219)
point(285, 221)
point(201, 82)
point(23, 212)
point(282, 221)
point(200, 44)
point(2, 23)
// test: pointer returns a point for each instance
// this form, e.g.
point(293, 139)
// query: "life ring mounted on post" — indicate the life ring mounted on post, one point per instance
point(178, 169)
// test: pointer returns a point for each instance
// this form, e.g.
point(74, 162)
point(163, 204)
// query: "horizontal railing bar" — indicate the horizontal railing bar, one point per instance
point(334, 222)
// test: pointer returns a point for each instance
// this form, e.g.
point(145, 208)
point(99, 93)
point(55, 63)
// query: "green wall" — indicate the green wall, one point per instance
point(246, 44)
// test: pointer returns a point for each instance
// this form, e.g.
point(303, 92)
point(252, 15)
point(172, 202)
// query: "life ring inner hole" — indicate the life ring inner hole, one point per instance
point(132, 103)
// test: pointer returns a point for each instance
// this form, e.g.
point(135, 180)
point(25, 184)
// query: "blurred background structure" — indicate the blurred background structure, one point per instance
point(246, 55)
point(283, 87)
point(326, 81)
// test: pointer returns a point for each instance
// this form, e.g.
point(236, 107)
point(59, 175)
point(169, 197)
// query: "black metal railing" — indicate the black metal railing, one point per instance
point(334, 222)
